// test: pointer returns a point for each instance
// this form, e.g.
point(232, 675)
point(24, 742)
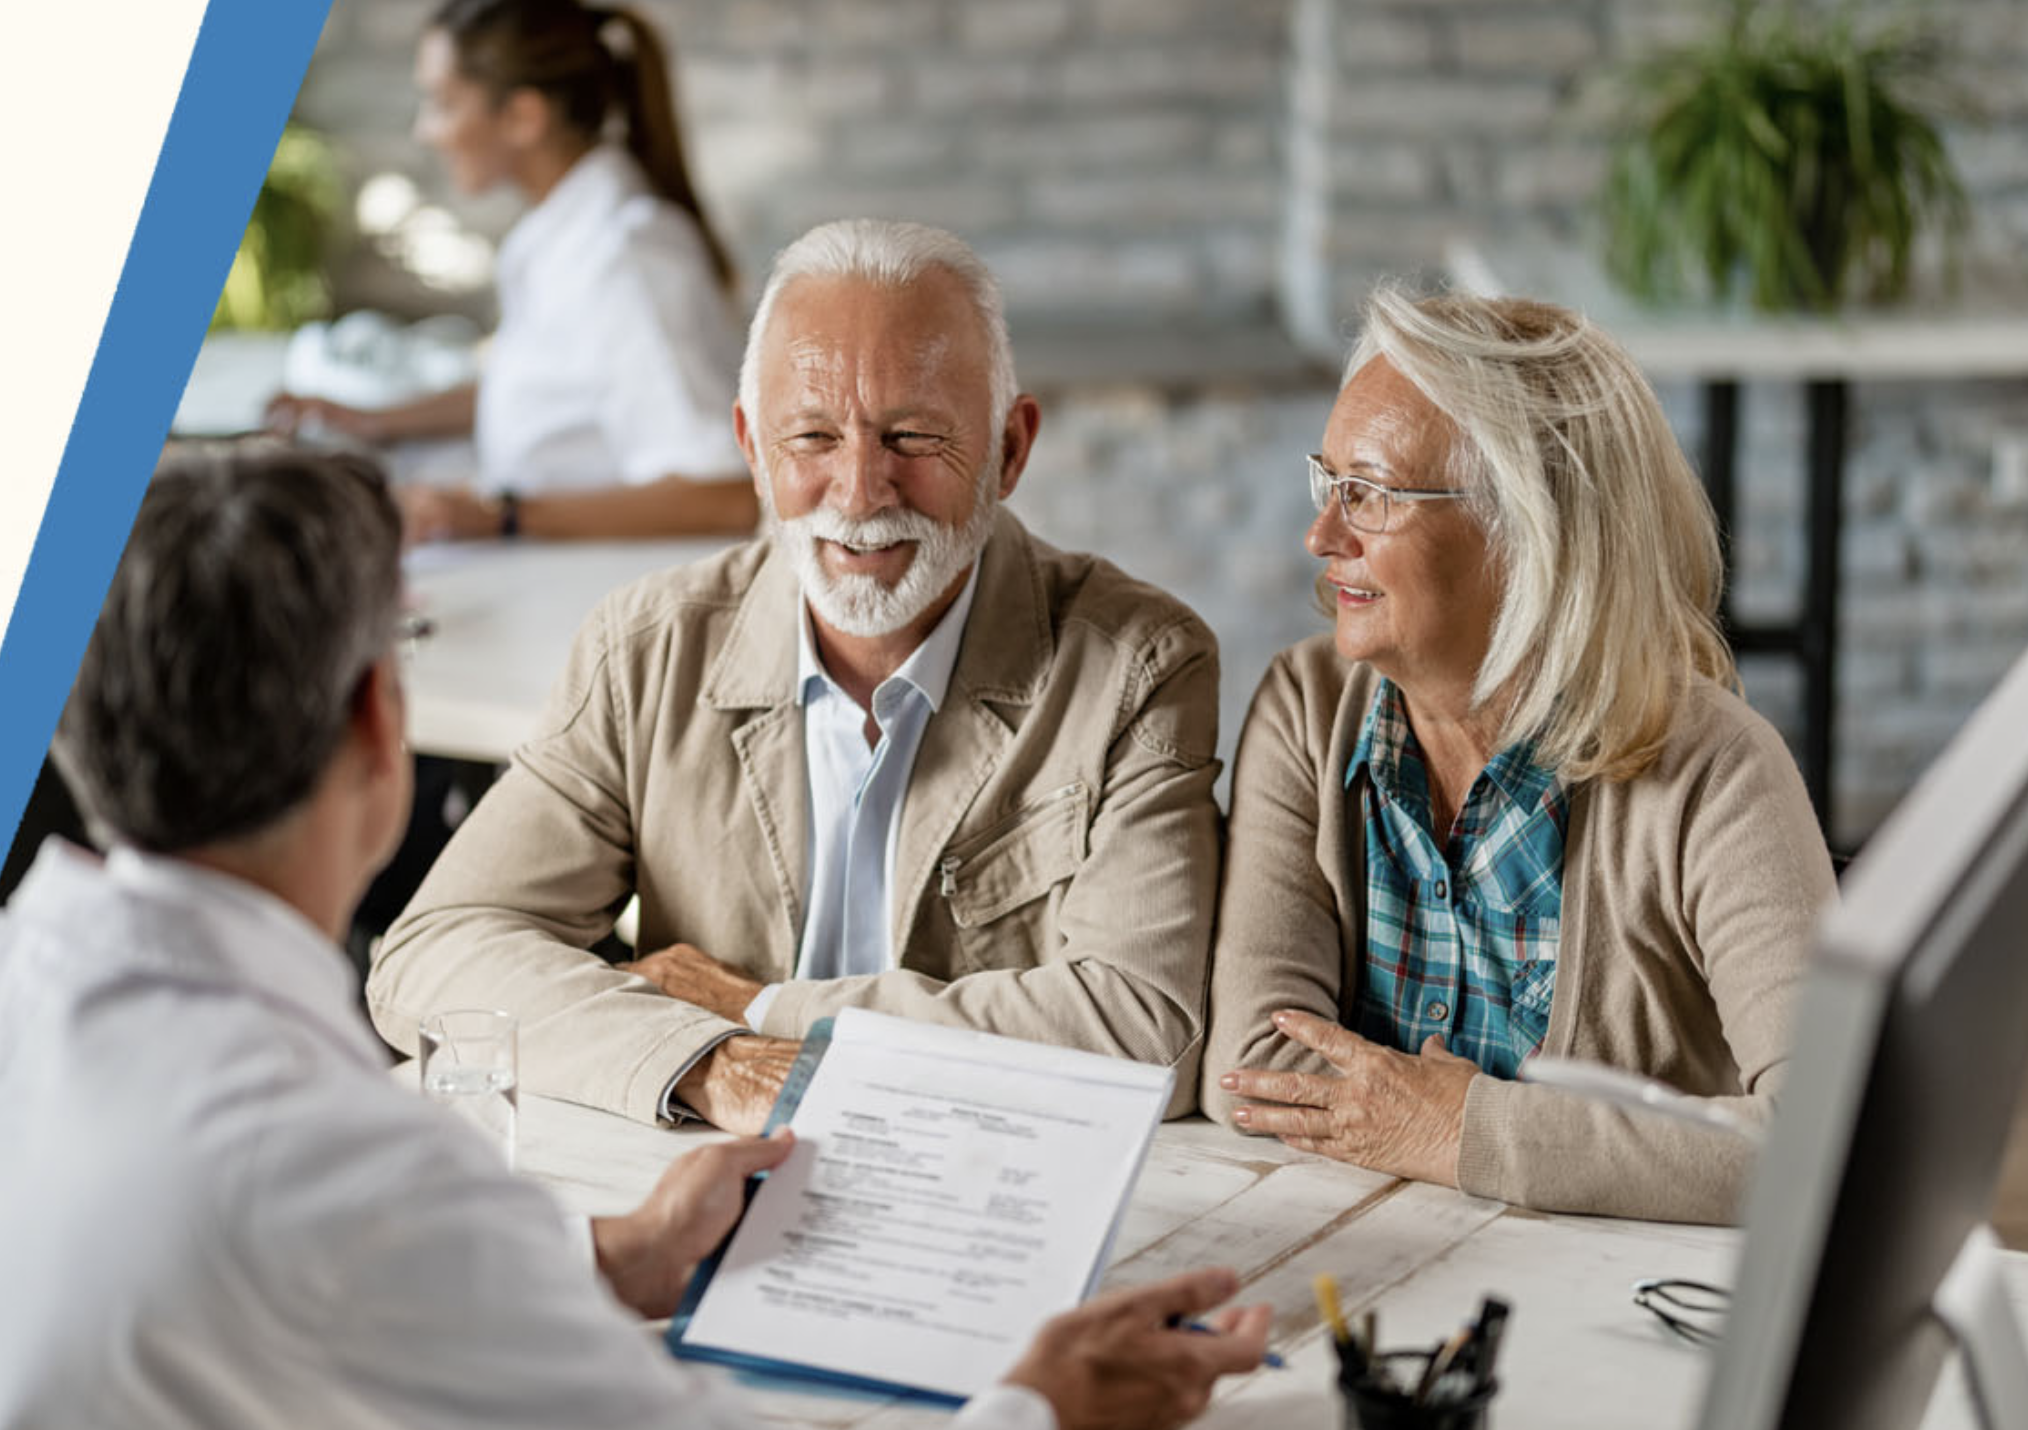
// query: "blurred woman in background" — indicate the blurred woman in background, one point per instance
point(604, 406)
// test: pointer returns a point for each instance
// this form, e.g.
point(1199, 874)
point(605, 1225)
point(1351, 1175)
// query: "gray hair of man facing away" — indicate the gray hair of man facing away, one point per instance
point(1609, 553)
point(894, 254)
point(260, 584)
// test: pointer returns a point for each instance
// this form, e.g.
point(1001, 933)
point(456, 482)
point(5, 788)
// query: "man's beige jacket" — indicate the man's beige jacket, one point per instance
point(1057, 861)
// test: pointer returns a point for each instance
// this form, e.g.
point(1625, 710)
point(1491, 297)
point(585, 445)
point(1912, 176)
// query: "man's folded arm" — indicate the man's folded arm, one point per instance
point(589, 1033)
point(536, 874)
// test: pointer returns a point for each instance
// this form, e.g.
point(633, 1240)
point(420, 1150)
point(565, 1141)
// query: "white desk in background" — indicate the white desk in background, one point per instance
point(1579, 1355)
point(230, 383)
point(505, 613)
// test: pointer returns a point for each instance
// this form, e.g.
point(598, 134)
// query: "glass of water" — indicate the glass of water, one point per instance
point(469, 1063)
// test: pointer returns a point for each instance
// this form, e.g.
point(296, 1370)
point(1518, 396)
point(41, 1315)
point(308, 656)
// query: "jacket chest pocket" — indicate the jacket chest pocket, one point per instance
point(1017, 861)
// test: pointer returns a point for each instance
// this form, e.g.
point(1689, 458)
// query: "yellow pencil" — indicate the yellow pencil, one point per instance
point(1327, 1305)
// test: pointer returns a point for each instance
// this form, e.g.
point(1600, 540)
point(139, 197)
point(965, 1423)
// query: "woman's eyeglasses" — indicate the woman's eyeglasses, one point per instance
point(1366, 506)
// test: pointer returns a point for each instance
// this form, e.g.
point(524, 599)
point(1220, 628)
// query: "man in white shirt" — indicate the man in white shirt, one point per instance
point(218, 1210)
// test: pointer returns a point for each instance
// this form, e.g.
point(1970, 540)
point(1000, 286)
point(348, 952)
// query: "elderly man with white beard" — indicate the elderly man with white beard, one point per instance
point(897, 753)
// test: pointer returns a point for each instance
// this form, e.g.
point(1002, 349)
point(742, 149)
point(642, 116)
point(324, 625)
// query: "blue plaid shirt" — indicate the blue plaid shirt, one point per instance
point(1460, 937)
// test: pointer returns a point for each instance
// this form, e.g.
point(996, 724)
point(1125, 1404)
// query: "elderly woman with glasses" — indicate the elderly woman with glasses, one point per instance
point(1512, 805)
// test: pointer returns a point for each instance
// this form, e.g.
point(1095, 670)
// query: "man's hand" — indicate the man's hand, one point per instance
point(445, 514)
point(735, 1084)
point(695, 976)
point(1115, 1363)
point(648, 1254)
point(1395, 1112)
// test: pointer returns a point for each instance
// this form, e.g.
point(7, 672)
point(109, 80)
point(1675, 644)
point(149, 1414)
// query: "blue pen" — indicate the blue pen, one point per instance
point(1270, 1359)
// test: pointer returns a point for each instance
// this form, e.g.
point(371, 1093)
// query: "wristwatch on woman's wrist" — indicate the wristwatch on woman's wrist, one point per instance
point(510, 513)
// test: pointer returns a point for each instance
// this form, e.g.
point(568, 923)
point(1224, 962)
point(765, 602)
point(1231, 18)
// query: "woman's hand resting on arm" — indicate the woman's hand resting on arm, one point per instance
point(1400, 1113)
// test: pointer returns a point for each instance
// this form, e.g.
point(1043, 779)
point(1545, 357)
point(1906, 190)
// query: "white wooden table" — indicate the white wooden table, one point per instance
point(1578, 1353)
point(505, 613)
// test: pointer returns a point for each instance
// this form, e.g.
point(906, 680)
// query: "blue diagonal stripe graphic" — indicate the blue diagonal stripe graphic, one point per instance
point(243, 75)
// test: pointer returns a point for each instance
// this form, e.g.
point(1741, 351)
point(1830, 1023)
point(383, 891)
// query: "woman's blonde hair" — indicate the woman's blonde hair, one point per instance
point(1609, 554)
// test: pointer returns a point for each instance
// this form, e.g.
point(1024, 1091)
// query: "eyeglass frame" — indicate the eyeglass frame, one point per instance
point(411, 630)
point(1668, 1299)
point(1325, 482)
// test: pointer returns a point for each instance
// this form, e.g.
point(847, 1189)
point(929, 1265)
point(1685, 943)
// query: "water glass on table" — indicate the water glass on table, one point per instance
point(469, 1063)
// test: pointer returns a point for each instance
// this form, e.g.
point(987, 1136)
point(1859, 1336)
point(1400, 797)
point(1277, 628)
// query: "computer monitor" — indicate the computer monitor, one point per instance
point(1911, 1043)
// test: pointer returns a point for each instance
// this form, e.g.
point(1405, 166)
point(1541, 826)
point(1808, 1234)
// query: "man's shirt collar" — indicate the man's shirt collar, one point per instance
point(222, 918)
point(928, 667)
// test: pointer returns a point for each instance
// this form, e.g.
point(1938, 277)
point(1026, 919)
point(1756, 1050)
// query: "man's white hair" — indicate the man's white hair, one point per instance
point(893, 254)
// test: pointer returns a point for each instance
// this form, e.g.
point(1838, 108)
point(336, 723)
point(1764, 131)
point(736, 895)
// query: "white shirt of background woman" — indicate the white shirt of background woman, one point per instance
point(617, 354)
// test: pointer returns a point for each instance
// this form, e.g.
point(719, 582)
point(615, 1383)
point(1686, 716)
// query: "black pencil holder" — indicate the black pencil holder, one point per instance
point(1385, 1400)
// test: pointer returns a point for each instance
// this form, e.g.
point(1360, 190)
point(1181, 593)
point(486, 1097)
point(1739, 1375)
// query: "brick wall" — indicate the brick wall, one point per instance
point(1109, 157)
point(1222, 176)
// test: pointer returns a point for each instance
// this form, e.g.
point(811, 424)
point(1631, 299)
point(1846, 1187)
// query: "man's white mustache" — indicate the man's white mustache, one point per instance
point(882, 530)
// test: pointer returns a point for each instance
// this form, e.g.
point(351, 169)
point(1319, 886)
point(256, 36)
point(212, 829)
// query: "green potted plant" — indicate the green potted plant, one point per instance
point(1794, 152)
point(277, 279)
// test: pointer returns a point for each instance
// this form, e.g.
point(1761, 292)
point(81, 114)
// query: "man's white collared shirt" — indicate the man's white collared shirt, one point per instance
point(219, 1210)
point(856, 793)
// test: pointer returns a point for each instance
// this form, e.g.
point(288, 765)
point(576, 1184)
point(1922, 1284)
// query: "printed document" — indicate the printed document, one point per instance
point(949, 1191)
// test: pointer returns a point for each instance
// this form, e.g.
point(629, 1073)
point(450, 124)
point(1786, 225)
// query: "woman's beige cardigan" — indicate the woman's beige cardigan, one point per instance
point(1689, 898)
